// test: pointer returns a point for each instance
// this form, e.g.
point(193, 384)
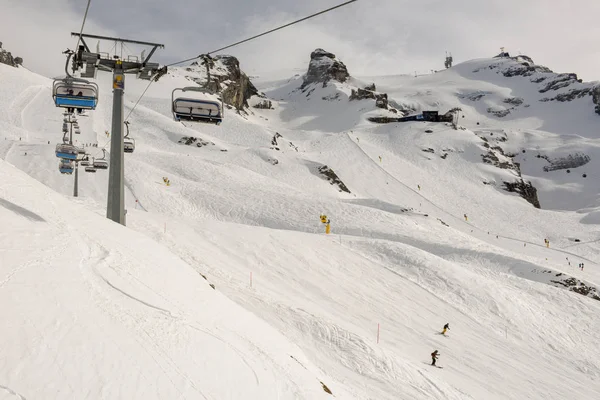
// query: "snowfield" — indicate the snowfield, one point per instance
point(223, 285)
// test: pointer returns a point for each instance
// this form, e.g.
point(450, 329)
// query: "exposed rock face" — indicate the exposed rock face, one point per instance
point(557, 87)
point(275, 145)
point(7, 58)
point(570, 161)
point(498, 158)
point(323, 68)
point(596, 98)
point(381, 99)
point(559, 81)
point(371, 87)
point(333, 178)
point(570, 95)
point(383, 120)
point(264, 105)
point(224, 76)
point(515, 101)
point(525, 190)
point(193, 141)
point(577, 286)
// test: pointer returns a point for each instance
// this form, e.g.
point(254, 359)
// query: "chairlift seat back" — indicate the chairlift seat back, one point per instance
point(66, 94)
point(65, 167)
point(128, 145)
point(201, 108)
point(192, 109)
point(100, 164)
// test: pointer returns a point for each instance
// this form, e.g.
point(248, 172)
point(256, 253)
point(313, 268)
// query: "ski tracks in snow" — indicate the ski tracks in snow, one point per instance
point(148, 328)
point(12, 394)
point(21, 103)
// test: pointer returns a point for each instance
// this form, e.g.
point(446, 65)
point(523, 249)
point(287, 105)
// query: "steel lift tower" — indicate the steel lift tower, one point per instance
point(89, 63)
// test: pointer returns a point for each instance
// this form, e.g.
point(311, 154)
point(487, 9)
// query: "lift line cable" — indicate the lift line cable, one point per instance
point(267, 32)
point(240, 42)
point(140, 98)
point(83, 23)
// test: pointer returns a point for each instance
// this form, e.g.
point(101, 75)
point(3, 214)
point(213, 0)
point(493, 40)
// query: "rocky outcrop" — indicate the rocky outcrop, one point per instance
point(559, 81)
point(500, 113)
point(596, 98)
point(525, 190)
point(275, 145)
point(577, 286)
point(371, 87)
point(193, 141)
point(333, 178)
point(496, 156)
point(223, 75)
point(515, 101)
point(7, 58)
point(569, 96)
point(570, 161)
point(323, 68)
point(264, 105)
point(557, 87)
point(381, 99)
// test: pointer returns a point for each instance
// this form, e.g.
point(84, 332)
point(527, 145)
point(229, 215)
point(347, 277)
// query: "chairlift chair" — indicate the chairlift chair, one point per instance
point(68, 151)
point(85, 161)
point(66, 166)
point(201, 109)
point(128, 143)
point(65, 93)
point(101, 163)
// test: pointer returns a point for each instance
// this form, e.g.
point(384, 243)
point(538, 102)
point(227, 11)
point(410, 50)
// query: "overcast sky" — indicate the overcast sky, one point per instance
point(372, 37)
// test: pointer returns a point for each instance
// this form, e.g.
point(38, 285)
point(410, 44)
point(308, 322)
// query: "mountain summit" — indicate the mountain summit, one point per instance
point(324, 67)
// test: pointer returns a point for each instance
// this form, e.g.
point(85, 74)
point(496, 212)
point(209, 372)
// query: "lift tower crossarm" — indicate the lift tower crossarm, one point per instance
point(113, 39)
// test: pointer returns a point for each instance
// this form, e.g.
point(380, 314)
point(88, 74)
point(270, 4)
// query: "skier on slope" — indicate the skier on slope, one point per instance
point(446, 327)
point(434, 357)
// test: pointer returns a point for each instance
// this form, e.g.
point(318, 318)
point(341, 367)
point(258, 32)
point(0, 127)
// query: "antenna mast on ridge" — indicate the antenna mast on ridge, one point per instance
point(449, 60)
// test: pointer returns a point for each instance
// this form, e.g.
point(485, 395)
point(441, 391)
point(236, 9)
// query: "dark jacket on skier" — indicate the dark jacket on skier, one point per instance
point(434, 357)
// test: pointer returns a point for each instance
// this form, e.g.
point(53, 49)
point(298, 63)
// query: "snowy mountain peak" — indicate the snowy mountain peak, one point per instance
point(324, 67)
point(550, 86)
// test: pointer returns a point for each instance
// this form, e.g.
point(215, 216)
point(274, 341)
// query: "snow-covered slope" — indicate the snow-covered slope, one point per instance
point(243, 211)
point(93, 310)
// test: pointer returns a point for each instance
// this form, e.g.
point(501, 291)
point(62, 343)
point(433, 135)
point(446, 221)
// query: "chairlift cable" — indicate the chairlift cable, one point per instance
point(266, 33)
point(240, 42)
point(83, 23)
point(140, 98)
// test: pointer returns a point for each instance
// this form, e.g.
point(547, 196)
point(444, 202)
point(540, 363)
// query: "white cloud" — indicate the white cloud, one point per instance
point(371, 37)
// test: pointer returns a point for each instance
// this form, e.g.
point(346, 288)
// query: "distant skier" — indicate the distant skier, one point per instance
point(434, 357)
point(467, 220)
point(446, 327)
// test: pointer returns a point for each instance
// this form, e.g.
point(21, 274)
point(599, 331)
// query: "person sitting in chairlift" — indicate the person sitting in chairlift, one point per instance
point(79, 110)
point(70, 109)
